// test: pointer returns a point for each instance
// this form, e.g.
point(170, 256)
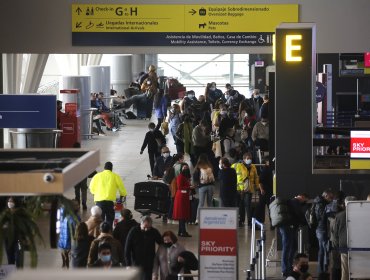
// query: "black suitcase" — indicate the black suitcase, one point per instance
point(147, 205)
point(151, 189)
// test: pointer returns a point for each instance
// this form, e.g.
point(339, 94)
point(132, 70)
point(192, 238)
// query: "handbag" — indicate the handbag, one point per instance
point(164, 128)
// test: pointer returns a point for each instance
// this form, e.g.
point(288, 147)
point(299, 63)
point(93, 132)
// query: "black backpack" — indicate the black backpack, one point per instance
point(311, 217)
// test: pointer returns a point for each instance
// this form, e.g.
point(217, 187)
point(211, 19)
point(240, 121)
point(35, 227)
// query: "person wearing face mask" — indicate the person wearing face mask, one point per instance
point(289, 231)
point(228, 143)
point(181, 207)
point(14, 249)
point(174, 119)
point(256, 101)
point(322, 231)
point(105, 237)
point(162, 163)
point(227, 121)
point(300, 266)
point(154, 140)
point(212, 93)
point(228, 183)
point(67, 230)
point(166, 256)
point(105, 257)
point(187, 102)
point(260, 134)
point(201, 139)
point(247, 184)
point(140, 246)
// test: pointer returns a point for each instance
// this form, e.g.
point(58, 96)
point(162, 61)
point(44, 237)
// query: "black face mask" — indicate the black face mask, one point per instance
point(167, 245)
point(186, 173)
point(304, 268)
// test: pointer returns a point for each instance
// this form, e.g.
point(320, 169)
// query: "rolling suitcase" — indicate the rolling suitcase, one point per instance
point(151, 197)
point(156, 189)
point(147, 205)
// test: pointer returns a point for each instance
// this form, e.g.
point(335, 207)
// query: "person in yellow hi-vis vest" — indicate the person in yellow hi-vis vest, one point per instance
point(247, 185)
point(104, 187)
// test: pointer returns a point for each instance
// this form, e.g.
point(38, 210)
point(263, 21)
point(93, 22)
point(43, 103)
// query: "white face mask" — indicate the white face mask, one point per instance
point(11, 205)
point(212, 88)
point(220, 166)
point(248, 161)
point(166, 155)
point(151, 130)
point(190, 96)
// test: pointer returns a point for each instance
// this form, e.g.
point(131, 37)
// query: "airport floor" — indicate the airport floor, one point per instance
point(122, 148)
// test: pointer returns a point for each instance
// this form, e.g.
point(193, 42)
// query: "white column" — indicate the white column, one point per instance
point(100, 78)
point(94, 59)
point(138, 65)
point(82, 83)
point(33, 73)
point(12, 64)
point(121, 72)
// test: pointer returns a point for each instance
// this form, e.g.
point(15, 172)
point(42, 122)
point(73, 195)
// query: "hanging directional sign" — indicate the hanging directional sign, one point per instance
point(178, 25)
point(28, 111)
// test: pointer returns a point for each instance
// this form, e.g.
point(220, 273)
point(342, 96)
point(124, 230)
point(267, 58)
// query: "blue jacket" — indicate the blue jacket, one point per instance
point(67, 229)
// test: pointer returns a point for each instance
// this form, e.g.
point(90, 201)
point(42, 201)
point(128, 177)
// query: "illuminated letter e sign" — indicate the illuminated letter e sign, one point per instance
point(292, 46)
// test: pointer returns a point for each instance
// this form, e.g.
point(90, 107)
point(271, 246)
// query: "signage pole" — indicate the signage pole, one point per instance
point(1, 92)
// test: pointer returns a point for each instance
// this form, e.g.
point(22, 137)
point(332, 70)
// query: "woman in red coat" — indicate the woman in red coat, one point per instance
point(181, 208)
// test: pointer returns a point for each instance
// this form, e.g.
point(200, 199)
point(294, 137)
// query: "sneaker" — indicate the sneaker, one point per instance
point(114, 129)
point(196, 222)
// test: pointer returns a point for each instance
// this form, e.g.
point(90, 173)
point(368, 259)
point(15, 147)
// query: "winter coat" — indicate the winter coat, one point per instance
point(117, 252)
point(181, 208)
point(165, 259)
point(175, 121)
point(93, 226)
point(67, 230)
point(80, 252)
point(140, 247)
point(122, 229)
point(228, 183)
point(322, 219)
point(152, 140)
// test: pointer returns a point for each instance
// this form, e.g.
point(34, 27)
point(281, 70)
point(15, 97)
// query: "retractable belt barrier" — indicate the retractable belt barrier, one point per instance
point(257, 265)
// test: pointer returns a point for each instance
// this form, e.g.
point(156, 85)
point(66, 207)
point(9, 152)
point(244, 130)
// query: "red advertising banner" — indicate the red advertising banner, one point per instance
point(360, 144)
point(220, 243)
point(71, 109)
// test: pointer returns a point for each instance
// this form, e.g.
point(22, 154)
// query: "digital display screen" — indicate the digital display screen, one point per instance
point(360, 144)
point(367, 59)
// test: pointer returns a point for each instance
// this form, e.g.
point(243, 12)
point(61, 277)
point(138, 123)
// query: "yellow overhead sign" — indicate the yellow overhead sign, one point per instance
point(181, 18)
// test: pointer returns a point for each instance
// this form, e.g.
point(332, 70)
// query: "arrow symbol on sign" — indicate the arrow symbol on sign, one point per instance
point(78, 24)
point(78, 10)
point(192, 12)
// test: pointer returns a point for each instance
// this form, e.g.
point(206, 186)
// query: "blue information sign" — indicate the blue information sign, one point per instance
point(28, 111)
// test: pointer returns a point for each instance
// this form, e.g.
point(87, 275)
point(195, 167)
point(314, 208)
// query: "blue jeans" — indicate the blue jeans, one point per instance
point(205, 191)
point(323, 257)
point(289, 244)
